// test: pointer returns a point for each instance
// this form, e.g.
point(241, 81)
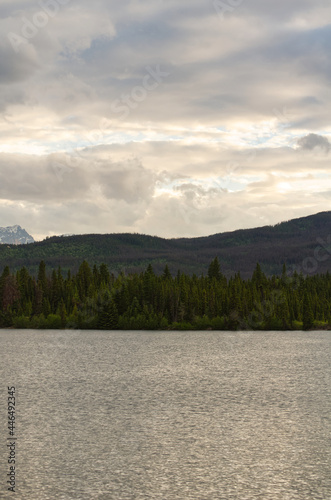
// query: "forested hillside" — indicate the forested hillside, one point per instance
point(303, 244)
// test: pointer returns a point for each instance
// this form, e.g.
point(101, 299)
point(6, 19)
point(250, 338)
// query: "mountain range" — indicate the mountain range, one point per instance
point(303, 244)
point(15, 235)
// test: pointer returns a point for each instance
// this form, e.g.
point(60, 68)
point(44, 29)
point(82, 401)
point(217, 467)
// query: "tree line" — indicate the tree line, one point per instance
point(94, 298)
point(303, 244)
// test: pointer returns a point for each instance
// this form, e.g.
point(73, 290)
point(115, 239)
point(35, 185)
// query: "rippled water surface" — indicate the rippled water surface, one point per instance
point(168, 415)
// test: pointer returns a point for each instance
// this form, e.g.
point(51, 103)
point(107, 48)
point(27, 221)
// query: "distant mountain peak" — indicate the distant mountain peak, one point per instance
point(14, 235)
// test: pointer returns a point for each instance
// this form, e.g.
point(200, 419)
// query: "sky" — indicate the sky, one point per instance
point(169, 118)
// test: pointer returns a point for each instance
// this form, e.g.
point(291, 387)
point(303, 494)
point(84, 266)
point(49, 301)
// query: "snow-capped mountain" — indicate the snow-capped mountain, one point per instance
point(14, 235)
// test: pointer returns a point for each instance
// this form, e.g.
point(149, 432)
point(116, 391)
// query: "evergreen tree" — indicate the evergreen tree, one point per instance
point(104, 275)
point(166, 273)
point(259, 278)
point(3, 278)
point(214, 270)
point(307, 312)
point(42, 278)
point(108, 315)
point(62, 312)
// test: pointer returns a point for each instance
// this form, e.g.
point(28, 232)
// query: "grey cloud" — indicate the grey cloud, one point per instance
point(40, 179)
point(212, 76)
point(56, 178)
point(16, 67)
point(101, 190)
point(261, 78)
point(312, 141)
point(128, 181)
point(193, 191)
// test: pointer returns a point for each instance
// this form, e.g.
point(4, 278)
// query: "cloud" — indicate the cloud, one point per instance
point(59, 177)
point(16, 69)
point(159, 188)
point(227, 137)
point(128, 181)
point(312, 141)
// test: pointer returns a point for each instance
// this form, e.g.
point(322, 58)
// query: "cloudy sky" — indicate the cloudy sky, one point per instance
point(165, 117)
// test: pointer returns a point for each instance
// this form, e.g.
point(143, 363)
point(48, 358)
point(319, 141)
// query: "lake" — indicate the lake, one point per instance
point(167, 415)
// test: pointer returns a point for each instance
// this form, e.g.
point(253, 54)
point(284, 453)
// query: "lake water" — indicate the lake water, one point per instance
point(167, 415)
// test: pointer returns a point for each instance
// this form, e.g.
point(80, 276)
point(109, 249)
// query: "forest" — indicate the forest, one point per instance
point(94, 298)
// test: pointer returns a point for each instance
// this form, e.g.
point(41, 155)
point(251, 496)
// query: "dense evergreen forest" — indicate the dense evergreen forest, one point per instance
point(94, 298)
point(304, 244)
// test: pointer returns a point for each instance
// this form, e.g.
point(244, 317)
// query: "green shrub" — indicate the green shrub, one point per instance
point(54, 322)
point(21, 322)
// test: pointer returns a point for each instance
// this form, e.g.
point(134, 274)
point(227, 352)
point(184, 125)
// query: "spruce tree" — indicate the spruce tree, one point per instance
point(214, 270)
point(108, 315)
point(307, 313)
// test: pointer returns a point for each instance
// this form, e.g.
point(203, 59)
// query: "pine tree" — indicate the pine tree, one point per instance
point(214, 270)
point(149, 285)
point(108, 315)
point(307, 313)
point(62, 312)
point(42, 278)
point(104, 274)
point(84, 279)
point(4, 276)
point(259, 278)
point(166, 273)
